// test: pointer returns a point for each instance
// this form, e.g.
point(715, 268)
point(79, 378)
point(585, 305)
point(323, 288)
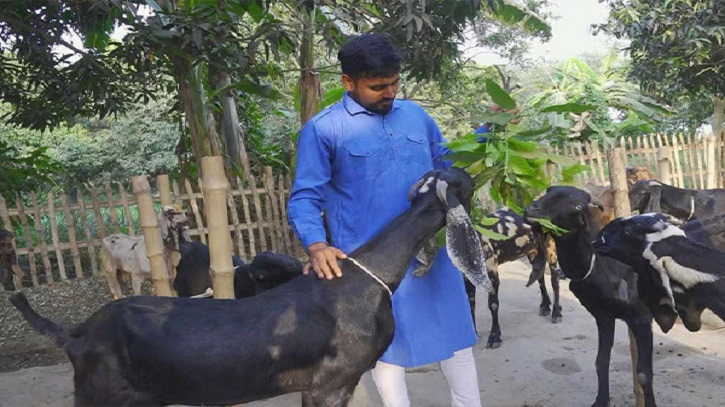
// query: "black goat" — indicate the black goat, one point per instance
point(266, 271)
point(675, 270)
point(605, 287)
point(524, 240)
point(653, 196)
point(312, 336)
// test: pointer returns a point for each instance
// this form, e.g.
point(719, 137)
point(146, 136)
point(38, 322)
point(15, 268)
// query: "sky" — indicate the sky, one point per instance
point(571, 33)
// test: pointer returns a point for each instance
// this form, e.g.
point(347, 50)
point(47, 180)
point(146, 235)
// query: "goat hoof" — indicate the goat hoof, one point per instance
point(555, 319)
point(599, 403)
point(544, 311)
point(493, 344)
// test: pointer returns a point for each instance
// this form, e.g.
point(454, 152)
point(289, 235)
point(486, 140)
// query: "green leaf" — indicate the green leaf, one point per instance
point(499, 96)
point(550, 227)
point(575, 108)
point(500, 118)
point(332, 96)
point(490, 234)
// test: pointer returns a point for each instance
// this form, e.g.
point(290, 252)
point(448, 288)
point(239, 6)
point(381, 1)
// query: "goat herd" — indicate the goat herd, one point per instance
point(318, 337)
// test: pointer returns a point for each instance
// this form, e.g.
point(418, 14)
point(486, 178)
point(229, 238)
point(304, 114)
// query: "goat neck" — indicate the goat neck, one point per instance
point(391, 252)
point(575, 253)
point(677, 201)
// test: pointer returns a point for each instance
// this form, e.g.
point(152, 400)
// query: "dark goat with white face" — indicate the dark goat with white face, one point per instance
point(649, 196)
point(675, 270)
point(605, 287)
point(312, 336)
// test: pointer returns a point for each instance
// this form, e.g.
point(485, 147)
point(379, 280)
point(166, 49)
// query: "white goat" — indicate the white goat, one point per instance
point(126, 254)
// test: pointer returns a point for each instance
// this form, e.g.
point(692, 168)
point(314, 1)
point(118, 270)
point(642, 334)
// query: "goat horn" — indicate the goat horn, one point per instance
point(414, 188)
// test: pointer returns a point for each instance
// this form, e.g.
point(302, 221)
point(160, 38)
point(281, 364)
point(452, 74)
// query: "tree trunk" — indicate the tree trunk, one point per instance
point(718, 115)
point(718, 120)
point(230, 121)
point(196, 111)
point(310, 91)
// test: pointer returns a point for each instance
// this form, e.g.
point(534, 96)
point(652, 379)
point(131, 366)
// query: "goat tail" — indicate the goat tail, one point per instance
point(43, 325)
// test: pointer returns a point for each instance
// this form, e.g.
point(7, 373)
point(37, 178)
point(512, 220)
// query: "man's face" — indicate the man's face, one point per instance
point(374, 94)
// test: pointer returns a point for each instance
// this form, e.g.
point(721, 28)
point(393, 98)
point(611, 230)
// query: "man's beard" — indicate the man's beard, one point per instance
point(381, 107)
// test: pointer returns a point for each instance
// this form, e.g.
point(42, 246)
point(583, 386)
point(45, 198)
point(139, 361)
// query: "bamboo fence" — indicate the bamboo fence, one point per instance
point(59, 237)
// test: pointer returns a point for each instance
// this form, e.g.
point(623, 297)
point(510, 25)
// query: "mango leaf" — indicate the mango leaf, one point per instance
point(331, 96)
point(500, 118)
point(499, 96)
point(490, 234)
point(576, 108)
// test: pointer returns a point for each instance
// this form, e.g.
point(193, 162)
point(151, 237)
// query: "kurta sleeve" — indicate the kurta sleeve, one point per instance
point(307, 198)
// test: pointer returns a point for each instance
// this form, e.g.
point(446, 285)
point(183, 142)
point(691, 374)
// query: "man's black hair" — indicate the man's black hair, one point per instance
point(369, 55)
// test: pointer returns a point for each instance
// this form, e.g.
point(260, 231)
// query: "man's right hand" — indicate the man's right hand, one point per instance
point(323, 260)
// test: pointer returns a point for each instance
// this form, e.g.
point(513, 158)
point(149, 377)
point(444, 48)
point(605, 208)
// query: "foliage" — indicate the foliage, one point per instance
point(25, 171)
point(612, 106)
point(513, 164)
point(676, 45)
point(677, 48)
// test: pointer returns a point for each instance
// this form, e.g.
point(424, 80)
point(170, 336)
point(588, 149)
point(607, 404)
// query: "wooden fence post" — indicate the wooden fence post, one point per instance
point(663, 165)
point(618, 179)
point(152, 235)
point(216, 188)
point(710, 145)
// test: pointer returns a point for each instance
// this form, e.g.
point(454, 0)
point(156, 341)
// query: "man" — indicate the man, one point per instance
point(356, 162)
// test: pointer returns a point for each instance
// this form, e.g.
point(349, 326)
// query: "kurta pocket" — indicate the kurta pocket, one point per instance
point(366, 160)
point(415, 154)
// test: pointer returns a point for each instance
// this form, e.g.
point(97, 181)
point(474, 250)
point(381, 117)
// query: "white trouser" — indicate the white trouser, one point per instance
point(460, 373)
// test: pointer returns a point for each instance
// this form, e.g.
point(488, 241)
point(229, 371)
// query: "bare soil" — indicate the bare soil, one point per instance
point(539, 363)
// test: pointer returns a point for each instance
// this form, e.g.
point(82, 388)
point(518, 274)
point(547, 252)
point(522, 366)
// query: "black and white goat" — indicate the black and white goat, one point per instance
point(312, 336)
point(266, 271)
point(675, 270)
point(653, 196)
point(604, 286)
point(524, 240)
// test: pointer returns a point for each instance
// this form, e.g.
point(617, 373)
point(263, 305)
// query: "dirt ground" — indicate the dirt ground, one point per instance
point(539, 363)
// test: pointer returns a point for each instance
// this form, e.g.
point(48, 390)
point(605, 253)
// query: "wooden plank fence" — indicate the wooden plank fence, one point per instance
point(59, 236)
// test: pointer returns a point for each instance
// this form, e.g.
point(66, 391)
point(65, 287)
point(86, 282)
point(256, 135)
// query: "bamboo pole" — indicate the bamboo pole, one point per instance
point(47, 268)
point(283, 216)
point(216, 188)
point(688, 161)
point(54, 236)
point(710, 145)
point(28, 240)
point(126, 209)
point(112, 207)
point(152, 236)
point(89, 236)
point(97, 213)
point(176, 191)
point(195, 209)
point(258, 211)
point(70, 222)
point(663, 165)
point(236, 225)
point(271, 206)
point(247, 219)
point(680, 176)
point(162, 184)
point(618, 179)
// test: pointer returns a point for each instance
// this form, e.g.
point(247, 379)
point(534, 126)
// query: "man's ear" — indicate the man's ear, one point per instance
point(348, 83)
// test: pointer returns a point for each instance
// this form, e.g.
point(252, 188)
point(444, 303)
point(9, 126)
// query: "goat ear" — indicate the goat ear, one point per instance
point(464, 247)
point(653, 202)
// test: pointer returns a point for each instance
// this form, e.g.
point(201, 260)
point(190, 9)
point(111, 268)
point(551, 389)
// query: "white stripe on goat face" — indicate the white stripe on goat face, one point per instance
point(667, 231)
point(657, 265)
point(441, 190)
point(426, 186)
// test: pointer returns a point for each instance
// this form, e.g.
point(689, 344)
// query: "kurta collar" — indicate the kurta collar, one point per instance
point(354, 108)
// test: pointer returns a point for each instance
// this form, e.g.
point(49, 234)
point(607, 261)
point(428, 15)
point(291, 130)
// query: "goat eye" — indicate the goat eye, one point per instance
point(578, 207)
point(260, 277)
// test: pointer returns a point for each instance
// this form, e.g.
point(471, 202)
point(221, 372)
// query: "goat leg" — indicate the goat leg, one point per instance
point(642, 331)
point(471, 293)
point(494, 338)
point(538, 268)
point(605, 327)
point(556, 316)
point(329, 398)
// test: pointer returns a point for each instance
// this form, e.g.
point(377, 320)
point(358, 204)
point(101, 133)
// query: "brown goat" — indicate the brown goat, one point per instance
point(603, 196)
point(9, 260)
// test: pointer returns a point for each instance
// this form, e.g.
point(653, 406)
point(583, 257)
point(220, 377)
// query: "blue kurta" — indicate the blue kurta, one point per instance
point(357, 167)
